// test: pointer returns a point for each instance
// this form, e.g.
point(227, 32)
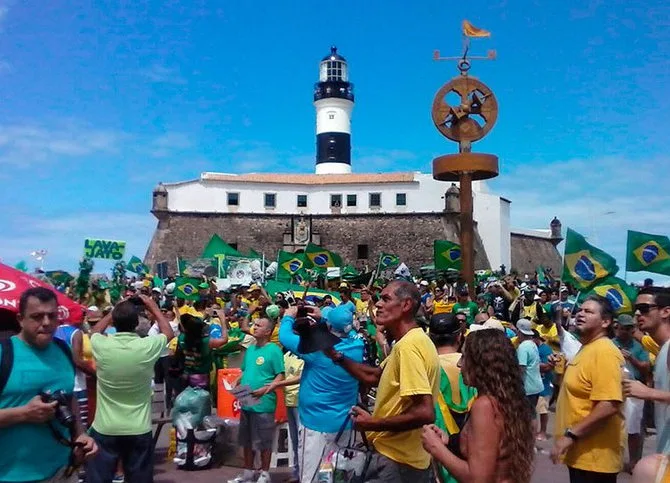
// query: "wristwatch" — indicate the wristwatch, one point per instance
point(570, 434)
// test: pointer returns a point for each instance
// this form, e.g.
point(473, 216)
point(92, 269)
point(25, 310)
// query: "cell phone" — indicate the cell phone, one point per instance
point(302, 311)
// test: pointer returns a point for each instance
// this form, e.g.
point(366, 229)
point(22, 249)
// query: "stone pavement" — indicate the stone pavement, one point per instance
point(166, 472)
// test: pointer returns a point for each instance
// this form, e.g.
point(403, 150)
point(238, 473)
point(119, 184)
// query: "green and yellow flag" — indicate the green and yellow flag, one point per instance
point(216, 246)
point(59, 277)
point(187, 288)
point(135, 265)
point(618, 292)
point(388, 260)
point(583, 264)
point(650, 253)
point(447, 255)
point(289, 264)
point(322, 258)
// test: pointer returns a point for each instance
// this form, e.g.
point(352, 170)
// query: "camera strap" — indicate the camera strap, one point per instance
point(71, 443)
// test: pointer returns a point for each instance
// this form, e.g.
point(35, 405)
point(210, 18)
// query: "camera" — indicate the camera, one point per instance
point(63, 413)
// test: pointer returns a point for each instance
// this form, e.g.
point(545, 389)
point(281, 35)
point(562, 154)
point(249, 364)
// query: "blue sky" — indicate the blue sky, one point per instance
point(100, 103)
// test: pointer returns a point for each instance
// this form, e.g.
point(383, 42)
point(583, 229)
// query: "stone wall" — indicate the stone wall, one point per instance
point(530, 252)
point(409, 236)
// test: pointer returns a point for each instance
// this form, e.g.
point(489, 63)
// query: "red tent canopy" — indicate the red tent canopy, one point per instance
point(14, 282)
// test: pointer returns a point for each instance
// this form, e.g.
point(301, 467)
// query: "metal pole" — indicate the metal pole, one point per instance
point(467, 245)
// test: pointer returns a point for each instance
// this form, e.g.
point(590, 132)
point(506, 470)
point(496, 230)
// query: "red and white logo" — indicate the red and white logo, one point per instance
point(6, 285)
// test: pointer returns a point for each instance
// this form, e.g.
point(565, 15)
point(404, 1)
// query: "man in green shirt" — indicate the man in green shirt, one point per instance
point(465, 306)
point(125, 367)
point(262, 365)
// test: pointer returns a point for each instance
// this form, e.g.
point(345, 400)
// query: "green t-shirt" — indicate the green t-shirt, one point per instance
point(259, 367)
point(125, 367)
point(198, 359)
point(470, 309)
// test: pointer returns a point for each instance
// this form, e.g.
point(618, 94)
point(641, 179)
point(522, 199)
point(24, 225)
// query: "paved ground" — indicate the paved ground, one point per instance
point(166, 472)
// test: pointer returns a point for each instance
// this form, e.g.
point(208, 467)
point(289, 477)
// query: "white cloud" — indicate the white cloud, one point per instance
point(161, 74)
point(600, 198)
point(63, 237)
point(27, 144)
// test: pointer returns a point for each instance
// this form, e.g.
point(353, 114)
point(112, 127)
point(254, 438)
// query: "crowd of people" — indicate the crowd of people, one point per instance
point(424, 380)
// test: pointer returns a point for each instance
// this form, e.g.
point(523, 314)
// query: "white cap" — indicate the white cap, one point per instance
point(424, 283)
point(494, 324)
point(525, 327)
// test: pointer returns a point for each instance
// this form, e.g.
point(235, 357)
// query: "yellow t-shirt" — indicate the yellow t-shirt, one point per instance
point(593, 375)
point(411, 369)
point(361, 307)
point(650, 345)
point(293, 368)
point(550, 336)
point(530, 312)
point(442, 307)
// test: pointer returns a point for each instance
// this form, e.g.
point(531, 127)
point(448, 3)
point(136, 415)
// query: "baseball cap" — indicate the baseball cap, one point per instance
point(494, 324)
point(272, 311)
point(625, 320)
point(340, 318)
point(444, 324)
point(424, 283)
point(524, 326)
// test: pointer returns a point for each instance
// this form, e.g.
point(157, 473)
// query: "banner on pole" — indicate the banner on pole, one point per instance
point(107, 249)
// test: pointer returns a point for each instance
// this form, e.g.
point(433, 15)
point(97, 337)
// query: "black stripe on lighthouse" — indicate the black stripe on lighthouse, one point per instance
point(333, 147)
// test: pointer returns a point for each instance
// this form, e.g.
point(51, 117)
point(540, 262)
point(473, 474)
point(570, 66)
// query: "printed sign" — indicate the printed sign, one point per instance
point(108, 249)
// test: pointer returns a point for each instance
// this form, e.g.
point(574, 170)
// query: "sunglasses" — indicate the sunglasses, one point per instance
point(644, 308)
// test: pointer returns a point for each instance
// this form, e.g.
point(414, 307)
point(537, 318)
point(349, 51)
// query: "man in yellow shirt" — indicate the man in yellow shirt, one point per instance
point(589, 424)
point(408, 385)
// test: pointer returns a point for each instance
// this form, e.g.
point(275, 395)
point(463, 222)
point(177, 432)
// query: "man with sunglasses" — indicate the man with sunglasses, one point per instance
point(652, 309)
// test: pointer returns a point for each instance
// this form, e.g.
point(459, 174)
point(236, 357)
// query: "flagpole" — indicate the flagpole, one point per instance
point(379, 263)
point(263, 269)
point(178, 267)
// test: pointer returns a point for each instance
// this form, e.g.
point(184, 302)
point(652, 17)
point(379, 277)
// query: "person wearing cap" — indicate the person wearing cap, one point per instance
point(327, 391)
point(589, 423)
point(528, 306)
point(638, 368)
point(465, 305)
point(407, 386)
point(455, 398)
point(529, 360)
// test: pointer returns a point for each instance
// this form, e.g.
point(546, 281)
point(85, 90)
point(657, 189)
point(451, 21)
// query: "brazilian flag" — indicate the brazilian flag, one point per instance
point(388, 260)
point(650, 253)
point(289, 264)
point(135, 265)
point(447, 255)
point(59, 277)
point(618, 292)
point(583, 264)
point(187, 288)
point(322, 258)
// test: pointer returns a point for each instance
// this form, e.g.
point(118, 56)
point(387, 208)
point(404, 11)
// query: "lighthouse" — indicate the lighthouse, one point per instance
point(334, 102)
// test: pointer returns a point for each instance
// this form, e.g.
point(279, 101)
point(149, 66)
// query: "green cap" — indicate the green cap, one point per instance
point(273, 311)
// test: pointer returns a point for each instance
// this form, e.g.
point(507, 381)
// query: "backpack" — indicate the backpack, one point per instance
point(7, 358)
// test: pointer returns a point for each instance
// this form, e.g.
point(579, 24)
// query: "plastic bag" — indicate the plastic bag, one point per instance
point(190, 408)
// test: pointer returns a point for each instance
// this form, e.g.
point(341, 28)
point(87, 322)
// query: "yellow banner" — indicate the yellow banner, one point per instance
point(470, 30)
